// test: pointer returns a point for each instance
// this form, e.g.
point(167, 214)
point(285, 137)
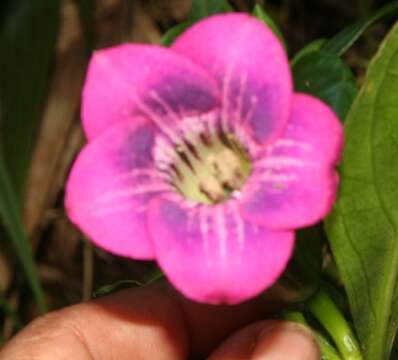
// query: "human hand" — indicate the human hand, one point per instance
point(154, 322)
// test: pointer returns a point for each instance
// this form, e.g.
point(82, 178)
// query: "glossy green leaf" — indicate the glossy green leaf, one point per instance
point(203, 8)
point(10, 217)
point(340, 43)
point(262, 15)
point(171, 34)
point(363, 228)
point(28, 32)
point(327, 77)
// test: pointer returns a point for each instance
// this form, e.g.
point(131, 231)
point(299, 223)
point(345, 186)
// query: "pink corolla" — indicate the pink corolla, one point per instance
point(202, 157)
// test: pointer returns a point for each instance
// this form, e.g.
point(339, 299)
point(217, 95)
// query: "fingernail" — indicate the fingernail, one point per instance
point(286, 341)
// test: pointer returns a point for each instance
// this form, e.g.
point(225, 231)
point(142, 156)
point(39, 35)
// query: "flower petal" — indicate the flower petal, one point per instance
point(127, 80)
point(294, 183)
point(110, 185)
point(251, 67)
point(211, 255)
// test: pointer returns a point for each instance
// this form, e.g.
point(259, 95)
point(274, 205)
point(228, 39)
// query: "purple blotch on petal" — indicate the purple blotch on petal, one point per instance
point(251, 67)
point(149, 80)
point(110, 185)
point(294, 182)
point(137, 151)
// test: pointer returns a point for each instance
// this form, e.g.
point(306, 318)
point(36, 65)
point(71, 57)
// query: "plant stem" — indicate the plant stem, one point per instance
point(327, 349)
point(327, 313)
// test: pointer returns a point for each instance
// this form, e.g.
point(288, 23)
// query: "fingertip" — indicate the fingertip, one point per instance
point(270, 340)
point(286, 340)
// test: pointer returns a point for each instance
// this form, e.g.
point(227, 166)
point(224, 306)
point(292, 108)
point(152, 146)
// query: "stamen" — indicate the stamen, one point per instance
point(177, 172)
point(209, 168)
point(192, 149)
point(205, 139)
point(185, 159)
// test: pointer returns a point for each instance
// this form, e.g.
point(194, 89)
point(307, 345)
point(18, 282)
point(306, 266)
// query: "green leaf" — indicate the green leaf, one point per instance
point(28, 32)
point(363, 228)
point(171, 34)
point(313, 46)
point(204, 8)
point(117, 286)
point(9, 213)
point(262, 15)
point(154, 276)
point(105, 290)
point(340, 43)
point(326, 76)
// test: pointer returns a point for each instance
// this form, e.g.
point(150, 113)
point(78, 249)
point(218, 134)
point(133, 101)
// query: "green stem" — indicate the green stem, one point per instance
point(328, 350)
point(10, 215)
point(327, 313)
point(154, 276)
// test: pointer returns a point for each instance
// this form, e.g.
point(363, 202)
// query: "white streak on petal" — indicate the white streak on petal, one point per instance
point(204, 226)
point(153, 174)
point(159, 122)
point(226, 87)
point(280, 162)
point(291, 143)
point(135, 191)
point(239, 223)
point(277, 178)
point(253, 105)
point(242, 91)
point(164, 153)
point(134, 96)
point(221, 231)
point(163, 103)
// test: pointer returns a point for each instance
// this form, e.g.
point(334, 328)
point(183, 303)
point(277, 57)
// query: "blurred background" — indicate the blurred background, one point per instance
point(45, 46)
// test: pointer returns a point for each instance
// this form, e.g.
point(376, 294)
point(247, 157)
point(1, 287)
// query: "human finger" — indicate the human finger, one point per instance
point(148, 322)
point(269, 340)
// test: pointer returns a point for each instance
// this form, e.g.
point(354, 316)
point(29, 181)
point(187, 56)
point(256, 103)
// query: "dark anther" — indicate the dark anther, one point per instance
point(205, 139)
point(185, 159)
point(192, 149)
point(177, 172)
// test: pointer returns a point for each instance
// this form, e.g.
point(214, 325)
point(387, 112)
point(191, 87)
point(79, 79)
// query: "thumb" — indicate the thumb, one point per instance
point(269, 340)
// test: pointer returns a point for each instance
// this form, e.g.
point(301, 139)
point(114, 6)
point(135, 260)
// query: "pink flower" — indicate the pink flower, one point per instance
point(201, 157)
